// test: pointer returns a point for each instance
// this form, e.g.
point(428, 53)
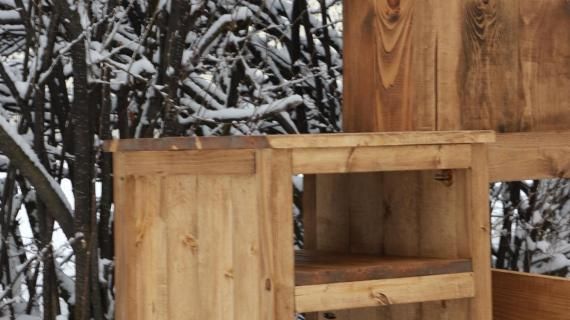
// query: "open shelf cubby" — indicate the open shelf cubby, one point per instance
point(206, 223)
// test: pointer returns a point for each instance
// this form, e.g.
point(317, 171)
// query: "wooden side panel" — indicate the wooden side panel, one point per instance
point(519, 296)
point(206, 246)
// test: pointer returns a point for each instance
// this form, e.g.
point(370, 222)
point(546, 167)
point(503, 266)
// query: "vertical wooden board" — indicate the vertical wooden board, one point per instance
point(275, 192)
point(123, 189)
point(480, 229)
point(389, 51)
point(488, 69)
point(332, 219)
point(544, 68)
point(215, 247)
point(402, 221)
point(249, 281)
point(179, 202)
point(523, 296)
point(366, 213)
point(147, 227)
point(360, 45)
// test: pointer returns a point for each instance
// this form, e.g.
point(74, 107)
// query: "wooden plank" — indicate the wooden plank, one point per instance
point(212, 162)
point(519, 296)
point(533, 155)
point(368, 159)
point(544, 49)
point(487, 71)
point(124, 199)
point(333, 140)
point(479, 221)
point(215, 247)
point(248, 275)
point(383, 292)
point(274, 187)
point(180, 196)
point(147, 254)
point(319, 267)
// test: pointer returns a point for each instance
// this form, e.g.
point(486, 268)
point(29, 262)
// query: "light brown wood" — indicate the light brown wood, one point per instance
point(206, 246)
point(383, 292)
point(479, 222)
point(521, 156)
point(163, 163)
point(392, 158)
point(274, 187)
point(519, 296)
point(334, 140)
point(319, 267)
point(180, 199)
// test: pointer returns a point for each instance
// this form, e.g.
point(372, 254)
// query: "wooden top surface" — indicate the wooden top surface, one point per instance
point(336, 140)
point(317, 267)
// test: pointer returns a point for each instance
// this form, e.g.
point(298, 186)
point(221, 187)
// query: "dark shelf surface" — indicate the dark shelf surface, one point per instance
point(319, 267)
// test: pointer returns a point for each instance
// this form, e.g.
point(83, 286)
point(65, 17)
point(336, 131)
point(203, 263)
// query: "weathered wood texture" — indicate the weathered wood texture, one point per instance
point(319, 267)
point(205, 246)
point(518, 296)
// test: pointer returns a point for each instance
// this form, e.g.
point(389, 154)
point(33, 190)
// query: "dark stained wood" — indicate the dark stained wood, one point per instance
point(544, 76)
point(523, 296)
point(318, 267)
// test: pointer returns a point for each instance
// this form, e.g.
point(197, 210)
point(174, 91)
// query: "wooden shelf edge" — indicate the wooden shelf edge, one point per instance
point(318, 267)
point(332, 140)
point(374, 293)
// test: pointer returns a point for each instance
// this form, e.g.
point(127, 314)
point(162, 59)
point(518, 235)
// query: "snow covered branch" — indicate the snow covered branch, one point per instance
point(23, 157)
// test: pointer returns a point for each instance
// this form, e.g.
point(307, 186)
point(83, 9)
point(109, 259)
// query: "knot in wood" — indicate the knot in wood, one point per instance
point(381, 298)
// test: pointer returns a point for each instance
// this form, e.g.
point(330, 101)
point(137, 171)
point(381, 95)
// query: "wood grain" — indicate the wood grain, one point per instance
point(391, 158)
point(383, 292)
point(301, 141)
point(274, 187)
point(162, 163)
point(318, 267)
point(479, 222)
point(536, 155)
point(519, 296)
point(544, 50)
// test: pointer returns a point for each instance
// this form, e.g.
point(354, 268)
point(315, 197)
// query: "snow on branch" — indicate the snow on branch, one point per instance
point(223, 23)
point(25, 159)
point(202, 114)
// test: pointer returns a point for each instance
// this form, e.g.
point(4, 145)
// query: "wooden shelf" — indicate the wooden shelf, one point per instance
point(329, 281)
point(318, 267)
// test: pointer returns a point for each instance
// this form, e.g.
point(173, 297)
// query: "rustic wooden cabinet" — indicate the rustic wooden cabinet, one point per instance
point(204, 228)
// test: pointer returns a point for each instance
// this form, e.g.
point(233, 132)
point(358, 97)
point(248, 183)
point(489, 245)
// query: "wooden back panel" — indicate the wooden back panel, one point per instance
point(442, 65)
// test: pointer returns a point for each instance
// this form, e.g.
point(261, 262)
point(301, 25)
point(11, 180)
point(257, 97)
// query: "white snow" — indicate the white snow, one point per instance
point(25, 147)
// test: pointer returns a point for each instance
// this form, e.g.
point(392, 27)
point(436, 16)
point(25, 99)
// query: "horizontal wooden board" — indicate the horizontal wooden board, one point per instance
point(520, 296)
point(318, 267)
point(301, 141)
point(347, 295)
point(533, 155)
point(187, 162)
point(388, 158)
